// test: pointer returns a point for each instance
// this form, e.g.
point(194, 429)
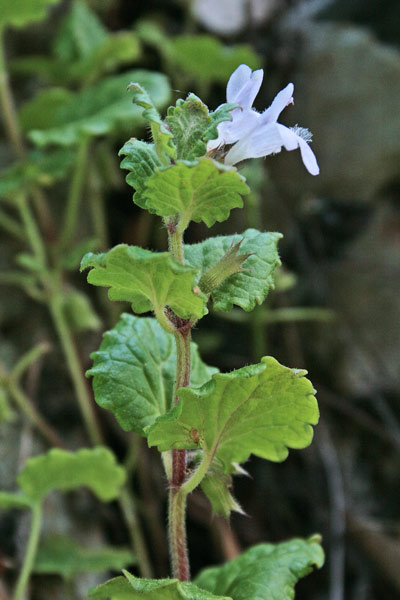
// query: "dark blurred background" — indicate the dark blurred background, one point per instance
point(335, 310)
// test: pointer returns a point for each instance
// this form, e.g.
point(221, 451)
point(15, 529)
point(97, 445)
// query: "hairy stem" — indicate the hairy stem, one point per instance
point(30, 554)
point(177, 501)
point(177, 535)
point(175, 241)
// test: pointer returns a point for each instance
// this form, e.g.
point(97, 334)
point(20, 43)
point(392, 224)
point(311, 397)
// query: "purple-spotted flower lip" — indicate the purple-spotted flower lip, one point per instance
point(254, 134)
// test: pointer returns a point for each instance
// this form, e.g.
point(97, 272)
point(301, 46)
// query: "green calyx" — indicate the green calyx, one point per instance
point(228, 265)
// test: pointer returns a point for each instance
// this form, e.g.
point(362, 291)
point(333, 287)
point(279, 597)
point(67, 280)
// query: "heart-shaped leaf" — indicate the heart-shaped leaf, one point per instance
point(148, 280)
point(262, 409)
point(91, 112)
point(64, 556)
point(134, 588)
point(248, 287)
point(134, 371)
point(203, 58)
point(266, 571)
point(95, 468)
point(202, 191)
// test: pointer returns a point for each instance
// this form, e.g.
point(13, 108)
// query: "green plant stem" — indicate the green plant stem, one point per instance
point(98, 210)
point(177, 535)
point(177, 520)
point(128, 508)
point(74, 195)
point(29, 358)
point(175, 243)
point(71, 355)
point(31, 229)
point(30, 554)
point(14, 133)
point(7, 104)
point(177, 501)
point(11, 226)
point(28, 409)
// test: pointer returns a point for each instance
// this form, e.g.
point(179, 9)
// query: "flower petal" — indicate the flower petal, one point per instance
point(260, 142)
point(291, 141)
point(308, 157)
point(247, 94)
point(243, 122)
point(281, 100)
point(237, 80)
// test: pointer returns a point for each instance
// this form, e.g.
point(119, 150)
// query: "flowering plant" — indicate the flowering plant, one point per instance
point(204, 423)
point(147, 371)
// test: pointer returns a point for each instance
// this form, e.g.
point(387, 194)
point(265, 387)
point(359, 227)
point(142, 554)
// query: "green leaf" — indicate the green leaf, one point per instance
point(161, 136)
point(9, 500)
point(202, 191)
point(64, 118)
point(193, 126)
point(205, 59)
point(65, 557)
point(134, 371)
point(141, 160)
point(266, 571)
point(121, 48)
point(38, 169)
point(79, 311)
point(71, 258)
point(248, 287)
point(134, 588)
point(95, 468)
point(148, 280)
point(262, 409)
point(81, 33)
point(19, 13)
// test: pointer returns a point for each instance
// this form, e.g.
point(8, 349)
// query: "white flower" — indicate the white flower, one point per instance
point(243, 86)
point(258, 134)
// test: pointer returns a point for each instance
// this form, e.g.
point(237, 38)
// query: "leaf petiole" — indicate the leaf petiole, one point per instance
point(30, 554)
